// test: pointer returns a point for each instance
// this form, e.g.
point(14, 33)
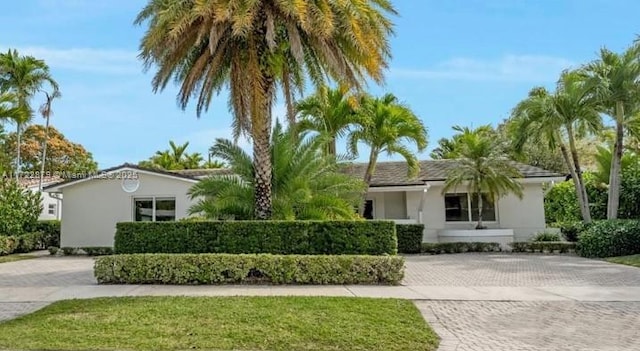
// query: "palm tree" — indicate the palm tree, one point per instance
point(46, 112)
point(384, 124)
point(615, 79)
point(329, 112)
point(560, 118)
point(306, 184)
point(23, 76)
point(9, 111)
point(482, 169)
point(254, 47)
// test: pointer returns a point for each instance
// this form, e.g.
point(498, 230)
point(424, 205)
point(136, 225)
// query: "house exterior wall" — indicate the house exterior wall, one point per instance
point(46, 201)
point(92, 208)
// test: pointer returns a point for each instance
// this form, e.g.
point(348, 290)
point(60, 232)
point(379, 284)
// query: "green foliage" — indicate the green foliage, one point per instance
point(8, 244)
point(306, 184)
point(53, 250)
point(571, 230)
point(459, 247)
point(546, 236)
point(176, 158)
point(97, 250)
point(409, 237)
point(543, 246)
point(275, 237)
point(23, 243)
point(50, 230)
point(610, 238)
point(19, 208)
point(69, 251)
point(181, 269)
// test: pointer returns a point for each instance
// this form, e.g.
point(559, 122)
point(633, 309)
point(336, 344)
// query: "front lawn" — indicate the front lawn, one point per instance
point(633, 260)
point(15, 257)
point(222, 323)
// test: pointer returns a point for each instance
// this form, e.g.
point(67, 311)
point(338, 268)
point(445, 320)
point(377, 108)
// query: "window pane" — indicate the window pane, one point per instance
point(143, 210)
point(488, 209)
point(52, 209)
point(165, 209)
point(368, 209)
point(456, 207)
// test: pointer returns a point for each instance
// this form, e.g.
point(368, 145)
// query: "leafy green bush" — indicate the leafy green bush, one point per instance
point(260, 268)
point(610, 238)
point(19, 208)
point(543, 246)
point(275, 237)
point(98, 250)
point(53, 250)
point(69, 251)
point(8, 244)
point(51, 231)
point(459, 247)
point(546, 236)
point(572, 230)
point(409, 237)
point(21, 243)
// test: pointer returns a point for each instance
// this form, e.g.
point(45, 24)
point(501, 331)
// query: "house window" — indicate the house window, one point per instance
point(51, 209)
point(460, 207)
point(368, 209)
point(154, 209)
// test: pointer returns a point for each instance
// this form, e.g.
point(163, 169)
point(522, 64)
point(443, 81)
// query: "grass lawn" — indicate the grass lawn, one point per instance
point(15, 257)
point(222, 323)
point(633, 260)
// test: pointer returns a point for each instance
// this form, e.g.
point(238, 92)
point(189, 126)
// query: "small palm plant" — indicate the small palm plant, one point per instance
point(306, 184)
point(482, 169)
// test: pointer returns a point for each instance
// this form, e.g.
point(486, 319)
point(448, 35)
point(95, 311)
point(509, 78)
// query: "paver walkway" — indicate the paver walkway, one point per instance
point(476, 302)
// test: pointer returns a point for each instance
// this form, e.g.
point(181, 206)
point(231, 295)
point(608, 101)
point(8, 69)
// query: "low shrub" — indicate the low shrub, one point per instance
point(98, 250)
point(8, 244)
point(274, 237)
point(610, 238)
point(546, 236)
point(50, 230)
point(186, 269)
point(21, 243)
point(53, 250)
point(543, 246)
point(409, 237)
point(572, 230)
point(459, 247)
point(68, 251)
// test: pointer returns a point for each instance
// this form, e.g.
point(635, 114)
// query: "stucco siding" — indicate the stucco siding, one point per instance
point(92, 208)
point(395, 205)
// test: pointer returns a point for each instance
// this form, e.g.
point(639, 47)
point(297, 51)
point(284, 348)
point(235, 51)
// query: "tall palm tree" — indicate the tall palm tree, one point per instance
point(384, 125)
point(483, 170)
point(560, 118)
point(255, 47)
point(329, 112)
point(615, 79)
point(46, 111)
point(306, 184)
point(9, 111)
point(23, 76)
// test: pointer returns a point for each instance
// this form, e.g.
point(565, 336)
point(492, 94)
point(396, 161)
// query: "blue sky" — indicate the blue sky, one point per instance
point(464, 62)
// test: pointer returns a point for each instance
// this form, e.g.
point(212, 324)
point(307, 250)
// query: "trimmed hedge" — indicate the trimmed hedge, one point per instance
point(51, 231)
point(274, 237)
point(547, 236)
point(459, 247)
point(186, 269)
point(21, 243)
point(409, 237)
point(87, 250)
point(610, 238)
point(571, 230)
point(543, 246)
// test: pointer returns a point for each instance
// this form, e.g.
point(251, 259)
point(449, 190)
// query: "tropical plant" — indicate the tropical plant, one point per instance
point(46, 112)
point(174, 158)
point(9, 111)
point(384, 125)
point(306, 184)
point(482, 169)
point(328, 112)
point(604, 160)
point(254, 47)
point(561, 118)
point(19, 208)
point(615, 82)
point(450, 148)
point(23, 76)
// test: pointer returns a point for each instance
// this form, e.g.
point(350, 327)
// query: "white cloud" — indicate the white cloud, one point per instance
point(111, 61)
point(516, 68)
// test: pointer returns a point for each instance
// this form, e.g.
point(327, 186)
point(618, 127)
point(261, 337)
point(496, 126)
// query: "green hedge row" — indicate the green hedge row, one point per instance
point(274, 237)
point(409, 237)
point(87, 250)
point(610, 238)
point(543, 246)
point(459, 247)
point(50, 230)
point(184, 269)
point(22, 243)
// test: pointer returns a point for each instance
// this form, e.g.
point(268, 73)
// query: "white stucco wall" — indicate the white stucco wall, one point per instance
point(92, 208)
point(46, 201)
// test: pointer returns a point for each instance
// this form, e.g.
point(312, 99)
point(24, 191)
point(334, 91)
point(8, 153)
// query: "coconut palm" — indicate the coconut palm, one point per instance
point(330, 112)
point(306, 184)
point(482, 169)
point(615, 79)
point(384, 126)
point(561, 118)
point(255, 47)
point(46, 111)
point(23, 76)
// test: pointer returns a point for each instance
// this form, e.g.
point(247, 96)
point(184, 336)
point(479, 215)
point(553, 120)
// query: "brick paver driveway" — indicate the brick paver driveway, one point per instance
point(527, 325)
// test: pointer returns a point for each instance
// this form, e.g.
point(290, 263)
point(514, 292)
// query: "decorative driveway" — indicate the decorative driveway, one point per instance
point(475, 302)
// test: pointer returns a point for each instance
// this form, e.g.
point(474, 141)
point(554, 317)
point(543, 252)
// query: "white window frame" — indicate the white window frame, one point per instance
point(52, 209)
point(470, 214)
point(153, 206)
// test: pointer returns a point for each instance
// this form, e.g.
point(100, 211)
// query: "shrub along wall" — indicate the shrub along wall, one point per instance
point(610, 238)
point(409, 237)
point(50, 230)
point(22, 243)
point(275, 237)
point(185, 269)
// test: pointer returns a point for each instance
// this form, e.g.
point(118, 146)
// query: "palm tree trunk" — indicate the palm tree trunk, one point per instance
point(18, 144)
point(616, 165)
point(479, 225)
point(576, 184)
point(332, 147)
point(368, 174)
point(583, 198)
point(44, 153)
